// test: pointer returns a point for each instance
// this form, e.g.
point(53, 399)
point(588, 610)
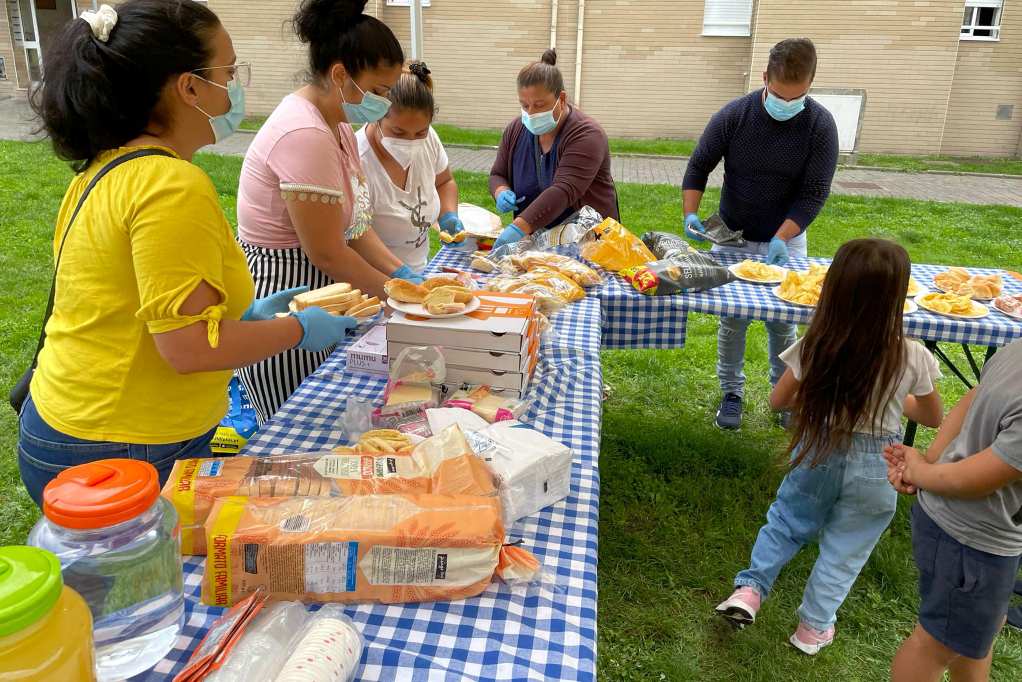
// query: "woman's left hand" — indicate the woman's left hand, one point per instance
point(267, 308)
point(406, 273)
point(511, 234)
point(450, 223)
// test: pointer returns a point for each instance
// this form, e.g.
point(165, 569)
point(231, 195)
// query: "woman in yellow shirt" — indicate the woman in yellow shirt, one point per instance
point(153, 305)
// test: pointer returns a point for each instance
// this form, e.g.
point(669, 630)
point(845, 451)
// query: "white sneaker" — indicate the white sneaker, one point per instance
point(741, 607)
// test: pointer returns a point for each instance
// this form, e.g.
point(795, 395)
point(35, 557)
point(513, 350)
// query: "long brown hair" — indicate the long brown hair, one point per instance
point(853, 353)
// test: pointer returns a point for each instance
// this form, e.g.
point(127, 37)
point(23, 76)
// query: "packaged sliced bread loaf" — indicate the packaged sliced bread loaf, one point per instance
point(443, 464)
point(372, 548)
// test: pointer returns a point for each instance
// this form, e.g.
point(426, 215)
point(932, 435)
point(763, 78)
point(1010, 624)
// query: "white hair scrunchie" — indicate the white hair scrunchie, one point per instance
point(102, 22)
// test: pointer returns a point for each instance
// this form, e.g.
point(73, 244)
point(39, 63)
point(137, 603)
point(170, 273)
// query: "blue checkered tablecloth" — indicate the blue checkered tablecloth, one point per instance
point(757, 301)
point(524, 633)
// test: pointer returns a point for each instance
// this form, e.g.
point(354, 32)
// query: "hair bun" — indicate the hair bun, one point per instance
point(318, 20)
point(420, 71)
point(549, 57)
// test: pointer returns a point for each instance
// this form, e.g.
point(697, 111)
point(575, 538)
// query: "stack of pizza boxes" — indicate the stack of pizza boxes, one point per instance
point(495, 345)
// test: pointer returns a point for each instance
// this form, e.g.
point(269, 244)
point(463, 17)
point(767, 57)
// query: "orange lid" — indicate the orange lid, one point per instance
point(101, 494)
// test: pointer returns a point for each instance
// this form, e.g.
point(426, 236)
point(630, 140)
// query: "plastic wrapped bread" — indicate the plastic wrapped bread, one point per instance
point(443, 464)
point(532, 470)
point(375, 548)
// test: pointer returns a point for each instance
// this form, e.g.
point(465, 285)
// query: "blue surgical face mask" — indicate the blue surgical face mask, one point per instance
point(371, 109)
point(780, 110)
point(227, 124)
point(541, 123)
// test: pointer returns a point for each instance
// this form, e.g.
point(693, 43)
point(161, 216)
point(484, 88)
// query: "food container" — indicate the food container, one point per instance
point(118, 543)
point(45, 626)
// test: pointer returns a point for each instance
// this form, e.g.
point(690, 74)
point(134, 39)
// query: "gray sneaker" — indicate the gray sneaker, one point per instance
point(784, 419)
point(729, 414)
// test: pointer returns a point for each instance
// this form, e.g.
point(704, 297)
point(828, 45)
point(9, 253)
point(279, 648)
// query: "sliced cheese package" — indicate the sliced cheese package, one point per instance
point(374, 548)
point(443, 464)
point(532, 470)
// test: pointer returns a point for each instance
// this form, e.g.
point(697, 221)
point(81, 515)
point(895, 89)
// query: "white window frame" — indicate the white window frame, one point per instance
point(969, 26)
point(731, 18)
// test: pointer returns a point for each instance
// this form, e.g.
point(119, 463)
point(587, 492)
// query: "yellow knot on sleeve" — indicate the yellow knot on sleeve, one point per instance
point(213, 315)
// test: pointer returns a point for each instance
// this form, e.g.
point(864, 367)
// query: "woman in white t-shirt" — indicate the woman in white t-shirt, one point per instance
point(406, 167)
point(849, 381)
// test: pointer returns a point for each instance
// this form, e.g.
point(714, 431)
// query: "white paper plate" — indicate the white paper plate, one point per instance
point(777, 293)
point(736, 273)
point(948, 291)
point(986, 311)
point(911, 307)
point(419, 311)
point(1014, 316)
point(922, 290)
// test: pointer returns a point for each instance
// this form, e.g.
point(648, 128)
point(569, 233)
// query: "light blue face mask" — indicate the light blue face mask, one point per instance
point(541, 123)
point(227, 124)
point(780, 110)
point(372, 108)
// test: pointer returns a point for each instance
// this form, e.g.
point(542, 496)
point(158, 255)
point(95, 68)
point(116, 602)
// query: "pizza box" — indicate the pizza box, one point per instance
point(503, 323)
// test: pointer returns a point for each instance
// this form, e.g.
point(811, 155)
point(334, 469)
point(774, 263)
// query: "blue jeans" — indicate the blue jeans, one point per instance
point(43, 452)
point(845, 503)
point(731, 333)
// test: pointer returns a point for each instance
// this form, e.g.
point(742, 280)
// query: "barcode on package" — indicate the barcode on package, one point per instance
point(211, 468)
point(295, 524)
point(330, 566)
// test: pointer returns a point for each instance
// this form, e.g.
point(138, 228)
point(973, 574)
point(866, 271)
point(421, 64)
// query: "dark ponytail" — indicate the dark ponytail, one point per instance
point(98, 96)
point(338, 31)
point(544, 72)
point(414, 90)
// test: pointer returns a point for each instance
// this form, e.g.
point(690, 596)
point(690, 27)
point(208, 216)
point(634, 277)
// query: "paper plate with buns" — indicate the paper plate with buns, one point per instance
point(961, 282)
point(437, 297)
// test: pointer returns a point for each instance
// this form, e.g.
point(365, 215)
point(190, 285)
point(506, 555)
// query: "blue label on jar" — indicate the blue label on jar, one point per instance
point(352, 565)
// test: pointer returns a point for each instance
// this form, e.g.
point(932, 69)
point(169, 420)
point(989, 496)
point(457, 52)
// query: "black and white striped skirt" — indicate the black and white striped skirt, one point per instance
point(269, 383)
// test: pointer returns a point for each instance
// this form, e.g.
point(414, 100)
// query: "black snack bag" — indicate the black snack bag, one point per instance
point(683, 271)
point(720, 234)
point(664, 244)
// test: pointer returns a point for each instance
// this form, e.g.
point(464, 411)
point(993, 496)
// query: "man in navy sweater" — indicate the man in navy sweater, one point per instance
point(780, 152)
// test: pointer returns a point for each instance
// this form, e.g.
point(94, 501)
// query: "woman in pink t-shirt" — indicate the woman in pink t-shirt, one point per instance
point(304, 212)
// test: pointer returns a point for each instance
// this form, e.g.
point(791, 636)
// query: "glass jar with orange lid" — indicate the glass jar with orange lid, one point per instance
point(119, 546)
point(45, 626)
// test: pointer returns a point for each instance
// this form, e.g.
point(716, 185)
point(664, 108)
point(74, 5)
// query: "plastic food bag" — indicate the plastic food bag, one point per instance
point(717, 232)
point(328, 649)
point(614, 248)
point(571, 231)
point(238, 425)
point(357, 418)
point(479, 222)
point(412, 375)
point(533, 471)
point(491, 406)
point(687, 271)
point(550, 288)
point(580, 273)
point(265, 646)
point(443, 464)
point(378, 548)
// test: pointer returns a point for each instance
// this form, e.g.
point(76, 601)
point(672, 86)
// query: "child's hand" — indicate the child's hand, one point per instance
point(894, 476)
point(894, 454)
point(911, 463)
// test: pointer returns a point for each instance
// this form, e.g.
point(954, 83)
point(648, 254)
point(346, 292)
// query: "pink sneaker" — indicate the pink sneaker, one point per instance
point(741, 607)
point(809, 640)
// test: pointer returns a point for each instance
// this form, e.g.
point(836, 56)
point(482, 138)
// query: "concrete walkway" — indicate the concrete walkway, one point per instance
point(15, 124)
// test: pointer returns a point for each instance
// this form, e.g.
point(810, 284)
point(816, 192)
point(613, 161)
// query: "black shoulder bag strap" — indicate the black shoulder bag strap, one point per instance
point(19, 393)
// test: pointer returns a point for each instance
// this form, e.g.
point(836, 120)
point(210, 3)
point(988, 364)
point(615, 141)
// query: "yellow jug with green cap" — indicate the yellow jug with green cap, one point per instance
point(45, 626)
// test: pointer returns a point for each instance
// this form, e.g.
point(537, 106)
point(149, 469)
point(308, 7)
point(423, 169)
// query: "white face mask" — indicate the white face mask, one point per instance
point(402, 150)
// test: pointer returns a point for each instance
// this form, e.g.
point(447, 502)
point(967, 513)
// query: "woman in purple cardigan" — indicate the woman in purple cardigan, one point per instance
point(553, 160)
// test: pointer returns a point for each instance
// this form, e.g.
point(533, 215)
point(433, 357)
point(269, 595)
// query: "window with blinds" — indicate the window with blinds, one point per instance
point(982, 20)
point(727, 18)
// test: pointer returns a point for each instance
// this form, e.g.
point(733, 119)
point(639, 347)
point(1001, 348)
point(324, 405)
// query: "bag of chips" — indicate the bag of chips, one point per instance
point(376, 548)
point(443, 464)
point(682, 272)
point(614, 248)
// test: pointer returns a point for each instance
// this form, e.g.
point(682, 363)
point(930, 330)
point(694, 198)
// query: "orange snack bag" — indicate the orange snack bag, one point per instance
point(443, 464)
point(373, 548)
point(614, 248)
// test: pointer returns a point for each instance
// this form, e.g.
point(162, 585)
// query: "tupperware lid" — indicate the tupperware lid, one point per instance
point(101, 494)
point(30, 584)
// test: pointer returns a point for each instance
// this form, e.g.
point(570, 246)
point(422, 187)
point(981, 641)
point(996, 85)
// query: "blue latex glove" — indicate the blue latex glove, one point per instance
point(266, 308)
point(321, 330)
point(694, 228)
point(510, 235)
point(405, 272)
point(451, 223)
point(777, 254)
point(507, 201)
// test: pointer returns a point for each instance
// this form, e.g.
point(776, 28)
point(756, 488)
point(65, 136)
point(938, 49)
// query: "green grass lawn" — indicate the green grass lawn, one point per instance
point(943, 163)
point(681, 502)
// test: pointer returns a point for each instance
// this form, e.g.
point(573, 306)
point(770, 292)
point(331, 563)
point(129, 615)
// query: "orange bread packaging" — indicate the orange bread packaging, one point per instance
point(442, 465)
point(373, 548)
